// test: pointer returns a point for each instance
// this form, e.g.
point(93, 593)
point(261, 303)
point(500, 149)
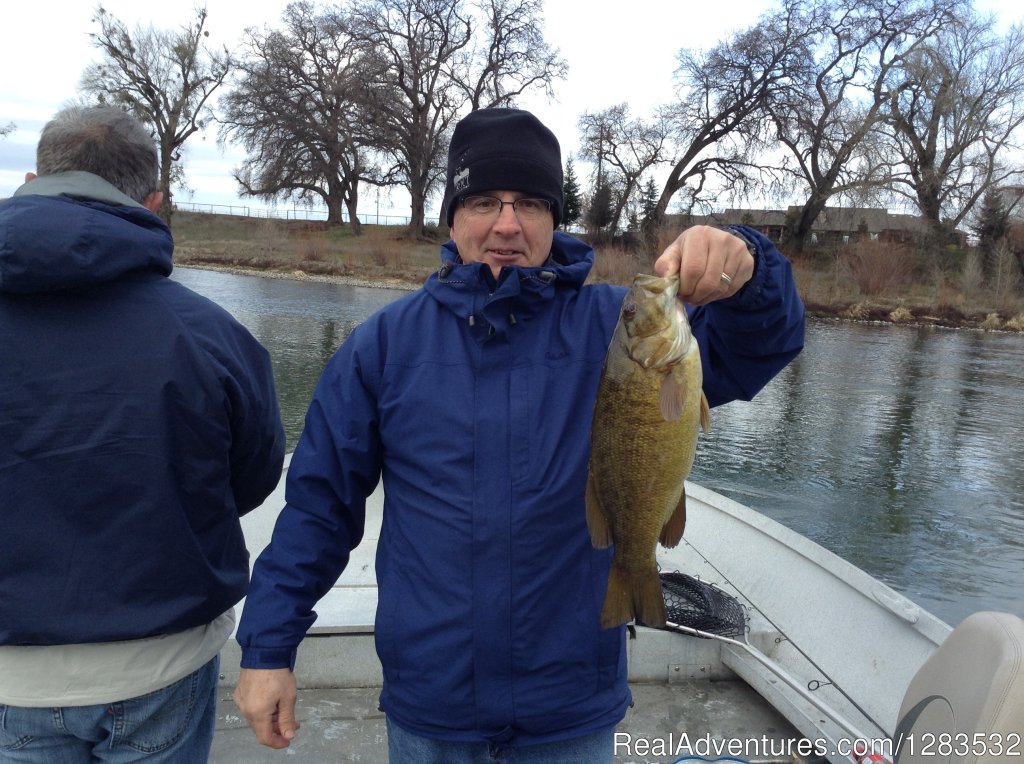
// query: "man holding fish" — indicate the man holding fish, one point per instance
point(473, 399)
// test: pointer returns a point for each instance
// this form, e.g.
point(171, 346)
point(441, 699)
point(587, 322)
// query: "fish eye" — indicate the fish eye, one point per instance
point(629, 309)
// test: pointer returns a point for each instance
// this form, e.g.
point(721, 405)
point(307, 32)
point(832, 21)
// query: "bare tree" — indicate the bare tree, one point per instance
point(415, 42)
point(717, 124)
point(438, 57)
point(512, 56)
point(623, 150)
point(954, 116)
point(827, 121)
point(7, 129)
point(300, 113)
point(164, 77)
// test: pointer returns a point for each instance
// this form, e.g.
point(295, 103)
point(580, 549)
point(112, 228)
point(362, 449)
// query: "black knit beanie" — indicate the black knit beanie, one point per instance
point(503, 150)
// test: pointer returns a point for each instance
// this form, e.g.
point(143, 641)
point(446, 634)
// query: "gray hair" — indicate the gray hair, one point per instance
point(105, 141)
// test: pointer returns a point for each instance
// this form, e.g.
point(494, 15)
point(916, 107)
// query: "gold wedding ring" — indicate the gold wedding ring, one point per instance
point(726, 279)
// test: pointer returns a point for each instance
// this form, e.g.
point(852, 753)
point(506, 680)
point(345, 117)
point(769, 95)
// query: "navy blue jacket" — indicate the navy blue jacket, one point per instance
point(138, 421)
point(472, 399)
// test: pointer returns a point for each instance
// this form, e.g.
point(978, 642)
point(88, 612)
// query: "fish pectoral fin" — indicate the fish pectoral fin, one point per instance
point(705, 412)
point(673, 529)
point(597, 521)
point(672, 398)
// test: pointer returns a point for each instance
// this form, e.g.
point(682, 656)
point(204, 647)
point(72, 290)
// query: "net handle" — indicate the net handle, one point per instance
point(780, 672)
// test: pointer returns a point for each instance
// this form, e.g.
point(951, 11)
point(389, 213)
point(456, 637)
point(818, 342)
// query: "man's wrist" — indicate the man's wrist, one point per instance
point(753, 248)
point(741, 233)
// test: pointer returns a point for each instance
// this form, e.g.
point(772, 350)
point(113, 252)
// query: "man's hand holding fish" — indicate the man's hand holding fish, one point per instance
point(712, 264)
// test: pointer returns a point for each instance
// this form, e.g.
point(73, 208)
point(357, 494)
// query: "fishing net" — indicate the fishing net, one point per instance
point(702, 606)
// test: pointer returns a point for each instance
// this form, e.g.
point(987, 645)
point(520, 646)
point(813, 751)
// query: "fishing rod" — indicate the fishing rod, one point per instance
point(797, 647)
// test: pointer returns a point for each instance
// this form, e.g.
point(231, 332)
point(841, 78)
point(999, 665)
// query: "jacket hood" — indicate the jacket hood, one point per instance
point(471, 292)
point(74, 230)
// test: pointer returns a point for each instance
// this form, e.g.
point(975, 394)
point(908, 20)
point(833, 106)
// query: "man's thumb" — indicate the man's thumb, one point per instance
point(286, 723)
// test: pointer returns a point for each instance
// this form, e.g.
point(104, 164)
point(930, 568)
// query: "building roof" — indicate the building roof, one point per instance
point(835, 220)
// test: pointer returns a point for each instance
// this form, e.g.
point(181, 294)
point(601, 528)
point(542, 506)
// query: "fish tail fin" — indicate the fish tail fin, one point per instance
point(633, 595)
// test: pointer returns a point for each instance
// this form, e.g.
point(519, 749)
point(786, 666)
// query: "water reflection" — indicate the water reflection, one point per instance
point(898, 448)
point(301, 323)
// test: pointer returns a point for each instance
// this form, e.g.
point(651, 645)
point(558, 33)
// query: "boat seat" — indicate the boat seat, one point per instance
point(971, 692)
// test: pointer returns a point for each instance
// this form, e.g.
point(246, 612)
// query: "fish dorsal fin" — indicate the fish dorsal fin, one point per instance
point(672, 398)
point(705, 412)
point(673, 529)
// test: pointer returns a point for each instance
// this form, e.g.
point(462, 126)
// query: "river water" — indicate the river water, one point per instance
point(898, 448)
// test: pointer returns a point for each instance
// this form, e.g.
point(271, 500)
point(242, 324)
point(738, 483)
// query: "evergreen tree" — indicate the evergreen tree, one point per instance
point(648, 211)
point(648, 199)
point(572, 205)
point(600, 213)
point(992, 228)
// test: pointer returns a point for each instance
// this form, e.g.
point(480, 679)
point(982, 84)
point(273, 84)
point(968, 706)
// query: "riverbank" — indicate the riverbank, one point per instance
point(865, 311)
point(383, 258)
point(377, 282)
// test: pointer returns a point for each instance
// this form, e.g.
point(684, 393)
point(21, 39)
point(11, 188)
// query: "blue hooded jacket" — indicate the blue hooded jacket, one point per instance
point(472, 398)
point(138, 420)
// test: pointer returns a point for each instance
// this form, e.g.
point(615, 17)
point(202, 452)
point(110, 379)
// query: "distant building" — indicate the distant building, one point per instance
point(838, 225)
point(1012, 199)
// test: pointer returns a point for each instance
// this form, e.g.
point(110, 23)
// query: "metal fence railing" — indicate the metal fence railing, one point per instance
point(294, 213)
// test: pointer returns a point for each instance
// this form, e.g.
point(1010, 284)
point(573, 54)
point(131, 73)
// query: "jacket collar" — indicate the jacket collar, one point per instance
point(492, 306)
point(77, 184)
point(75, 230)
point(471, 292)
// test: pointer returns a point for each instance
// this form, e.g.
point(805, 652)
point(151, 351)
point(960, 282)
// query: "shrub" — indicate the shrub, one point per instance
point(615, 265)
point(992, 321)
point(901, 315)
point(972, 276)
point(1006, 280)
point(271, 238)
point(312, 248)
point(857, 312)
point(878, 268)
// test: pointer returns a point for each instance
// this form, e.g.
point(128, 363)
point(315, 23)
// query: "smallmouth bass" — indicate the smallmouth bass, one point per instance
point(650, 406)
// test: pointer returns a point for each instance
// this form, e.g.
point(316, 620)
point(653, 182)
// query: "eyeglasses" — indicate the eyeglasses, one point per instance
point(491, 206)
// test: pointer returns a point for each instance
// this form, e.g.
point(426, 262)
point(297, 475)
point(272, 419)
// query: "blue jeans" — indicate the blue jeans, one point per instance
point(170, 726)
point(407, 748)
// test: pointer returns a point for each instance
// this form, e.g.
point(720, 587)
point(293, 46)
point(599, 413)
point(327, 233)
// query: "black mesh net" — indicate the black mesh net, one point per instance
point(701, 605)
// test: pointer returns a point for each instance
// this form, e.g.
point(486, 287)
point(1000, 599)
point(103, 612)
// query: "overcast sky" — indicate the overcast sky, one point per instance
point(613, 57)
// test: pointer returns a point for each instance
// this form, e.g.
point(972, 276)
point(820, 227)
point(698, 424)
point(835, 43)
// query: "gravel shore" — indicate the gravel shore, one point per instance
point(298, 275)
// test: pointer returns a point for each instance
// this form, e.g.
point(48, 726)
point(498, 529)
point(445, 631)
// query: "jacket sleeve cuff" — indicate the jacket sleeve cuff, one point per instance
point(268, 658)
point(762, 250)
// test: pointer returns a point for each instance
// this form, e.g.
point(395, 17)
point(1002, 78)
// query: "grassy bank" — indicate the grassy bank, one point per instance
point(863, 281)
point(301, 248)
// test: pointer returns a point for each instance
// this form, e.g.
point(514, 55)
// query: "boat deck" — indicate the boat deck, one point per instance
point(344, 725)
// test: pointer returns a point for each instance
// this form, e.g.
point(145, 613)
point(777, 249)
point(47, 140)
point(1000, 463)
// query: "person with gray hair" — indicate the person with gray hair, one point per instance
point(104, 141)
point(138, 422)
